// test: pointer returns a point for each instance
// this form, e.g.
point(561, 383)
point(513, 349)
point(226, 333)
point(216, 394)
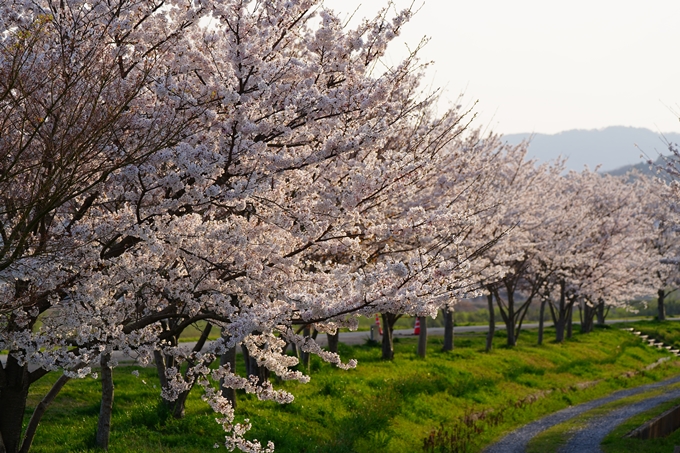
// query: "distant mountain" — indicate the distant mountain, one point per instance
point(612, 147)
point(643, 168)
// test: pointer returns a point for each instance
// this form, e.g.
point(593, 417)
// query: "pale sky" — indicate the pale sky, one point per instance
point(546, 67)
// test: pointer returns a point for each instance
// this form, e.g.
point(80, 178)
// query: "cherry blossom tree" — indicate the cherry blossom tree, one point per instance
point(593, 254)
point(656, 196)
point(236, 162)
point(453, 198)
point(671, 170)
point(521, 190)
point(78, 101)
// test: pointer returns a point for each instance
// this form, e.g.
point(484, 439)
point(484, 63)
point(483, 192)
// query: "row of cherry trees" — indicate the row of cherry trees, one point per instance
point(575, 241)
point(255, 165)
point(249, 164)
point(585, 241)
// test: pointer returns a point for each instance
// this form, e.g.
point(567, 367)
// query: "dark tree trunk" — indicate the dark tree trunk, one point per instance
point(492, 323)
point(563, 315)
point(163, 362)
point(14, 384)
point(422, 337)
point(252, 369)
point(661, 307)
point(40, 410)
point(560, 318)
point(180, 403)
point(106, 408)
point(586, 315)
point(160, 368)
point(294, 350)
point(559, 330)
point(508, 315)
point(247, 360)
point(178, 410)
point(228, 358)
point(261, 372)
point(333, 341)
point(589, 315)
point(600, 313)
point(448, 330)
point(541, 321)
point(511, 314)
point(176, 407)
point(307, 332)
point(570, 319)
point(388, 319)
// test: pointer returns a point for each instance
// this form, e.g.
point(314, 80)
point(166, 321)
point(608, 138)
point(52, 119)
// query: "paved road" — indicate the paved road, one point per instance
point(350, 338)
point(355, 338)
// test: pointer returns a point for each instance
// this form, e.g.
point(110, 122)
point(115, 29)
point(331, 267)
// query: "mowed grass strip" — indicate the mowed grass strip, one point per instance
point(380, 406)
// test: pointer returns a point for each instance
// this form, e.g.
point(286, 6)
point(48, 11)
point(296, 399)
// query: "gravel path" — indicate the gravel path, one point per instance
point(589, 439)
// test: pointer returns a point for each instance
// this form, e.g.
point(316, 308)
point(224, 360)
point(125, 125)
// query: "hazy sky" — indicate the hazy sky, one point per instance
point(538, 66)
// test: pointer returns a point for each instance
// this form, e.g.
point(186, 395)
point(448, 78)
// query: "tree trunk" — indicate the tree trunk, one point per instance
point(570, 319)
point(541, 322)
point(246, 360)
point(559, 330)
point(14, 384)
point(589, 313)
point(333, 341)
point(492, 323)
point(163, 362)
point(600, 314)
point(262, 374)
point(562, 315)
point(388, 320)
point(40, 410)
point(582, 314)
point(252, 369)
point(160, 368)
point(661, 306)
point(508, 314)
point(448, 330)
point(295, 350)
point(228, 358)
point(307, 332)
point(106, 408)
point(510, 329)
point(422, 337)
point(178, 406)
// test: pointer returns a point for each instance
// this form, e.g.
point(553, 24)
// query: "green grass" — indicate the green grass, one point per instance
point(140, 423)
point(666, 331)
point(380, 406)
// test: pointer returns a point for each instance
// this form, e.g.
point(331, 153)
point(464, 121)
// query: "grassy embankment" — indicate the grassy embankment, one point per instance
point(380, 406)
point(552, 439)
point(557, 436)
